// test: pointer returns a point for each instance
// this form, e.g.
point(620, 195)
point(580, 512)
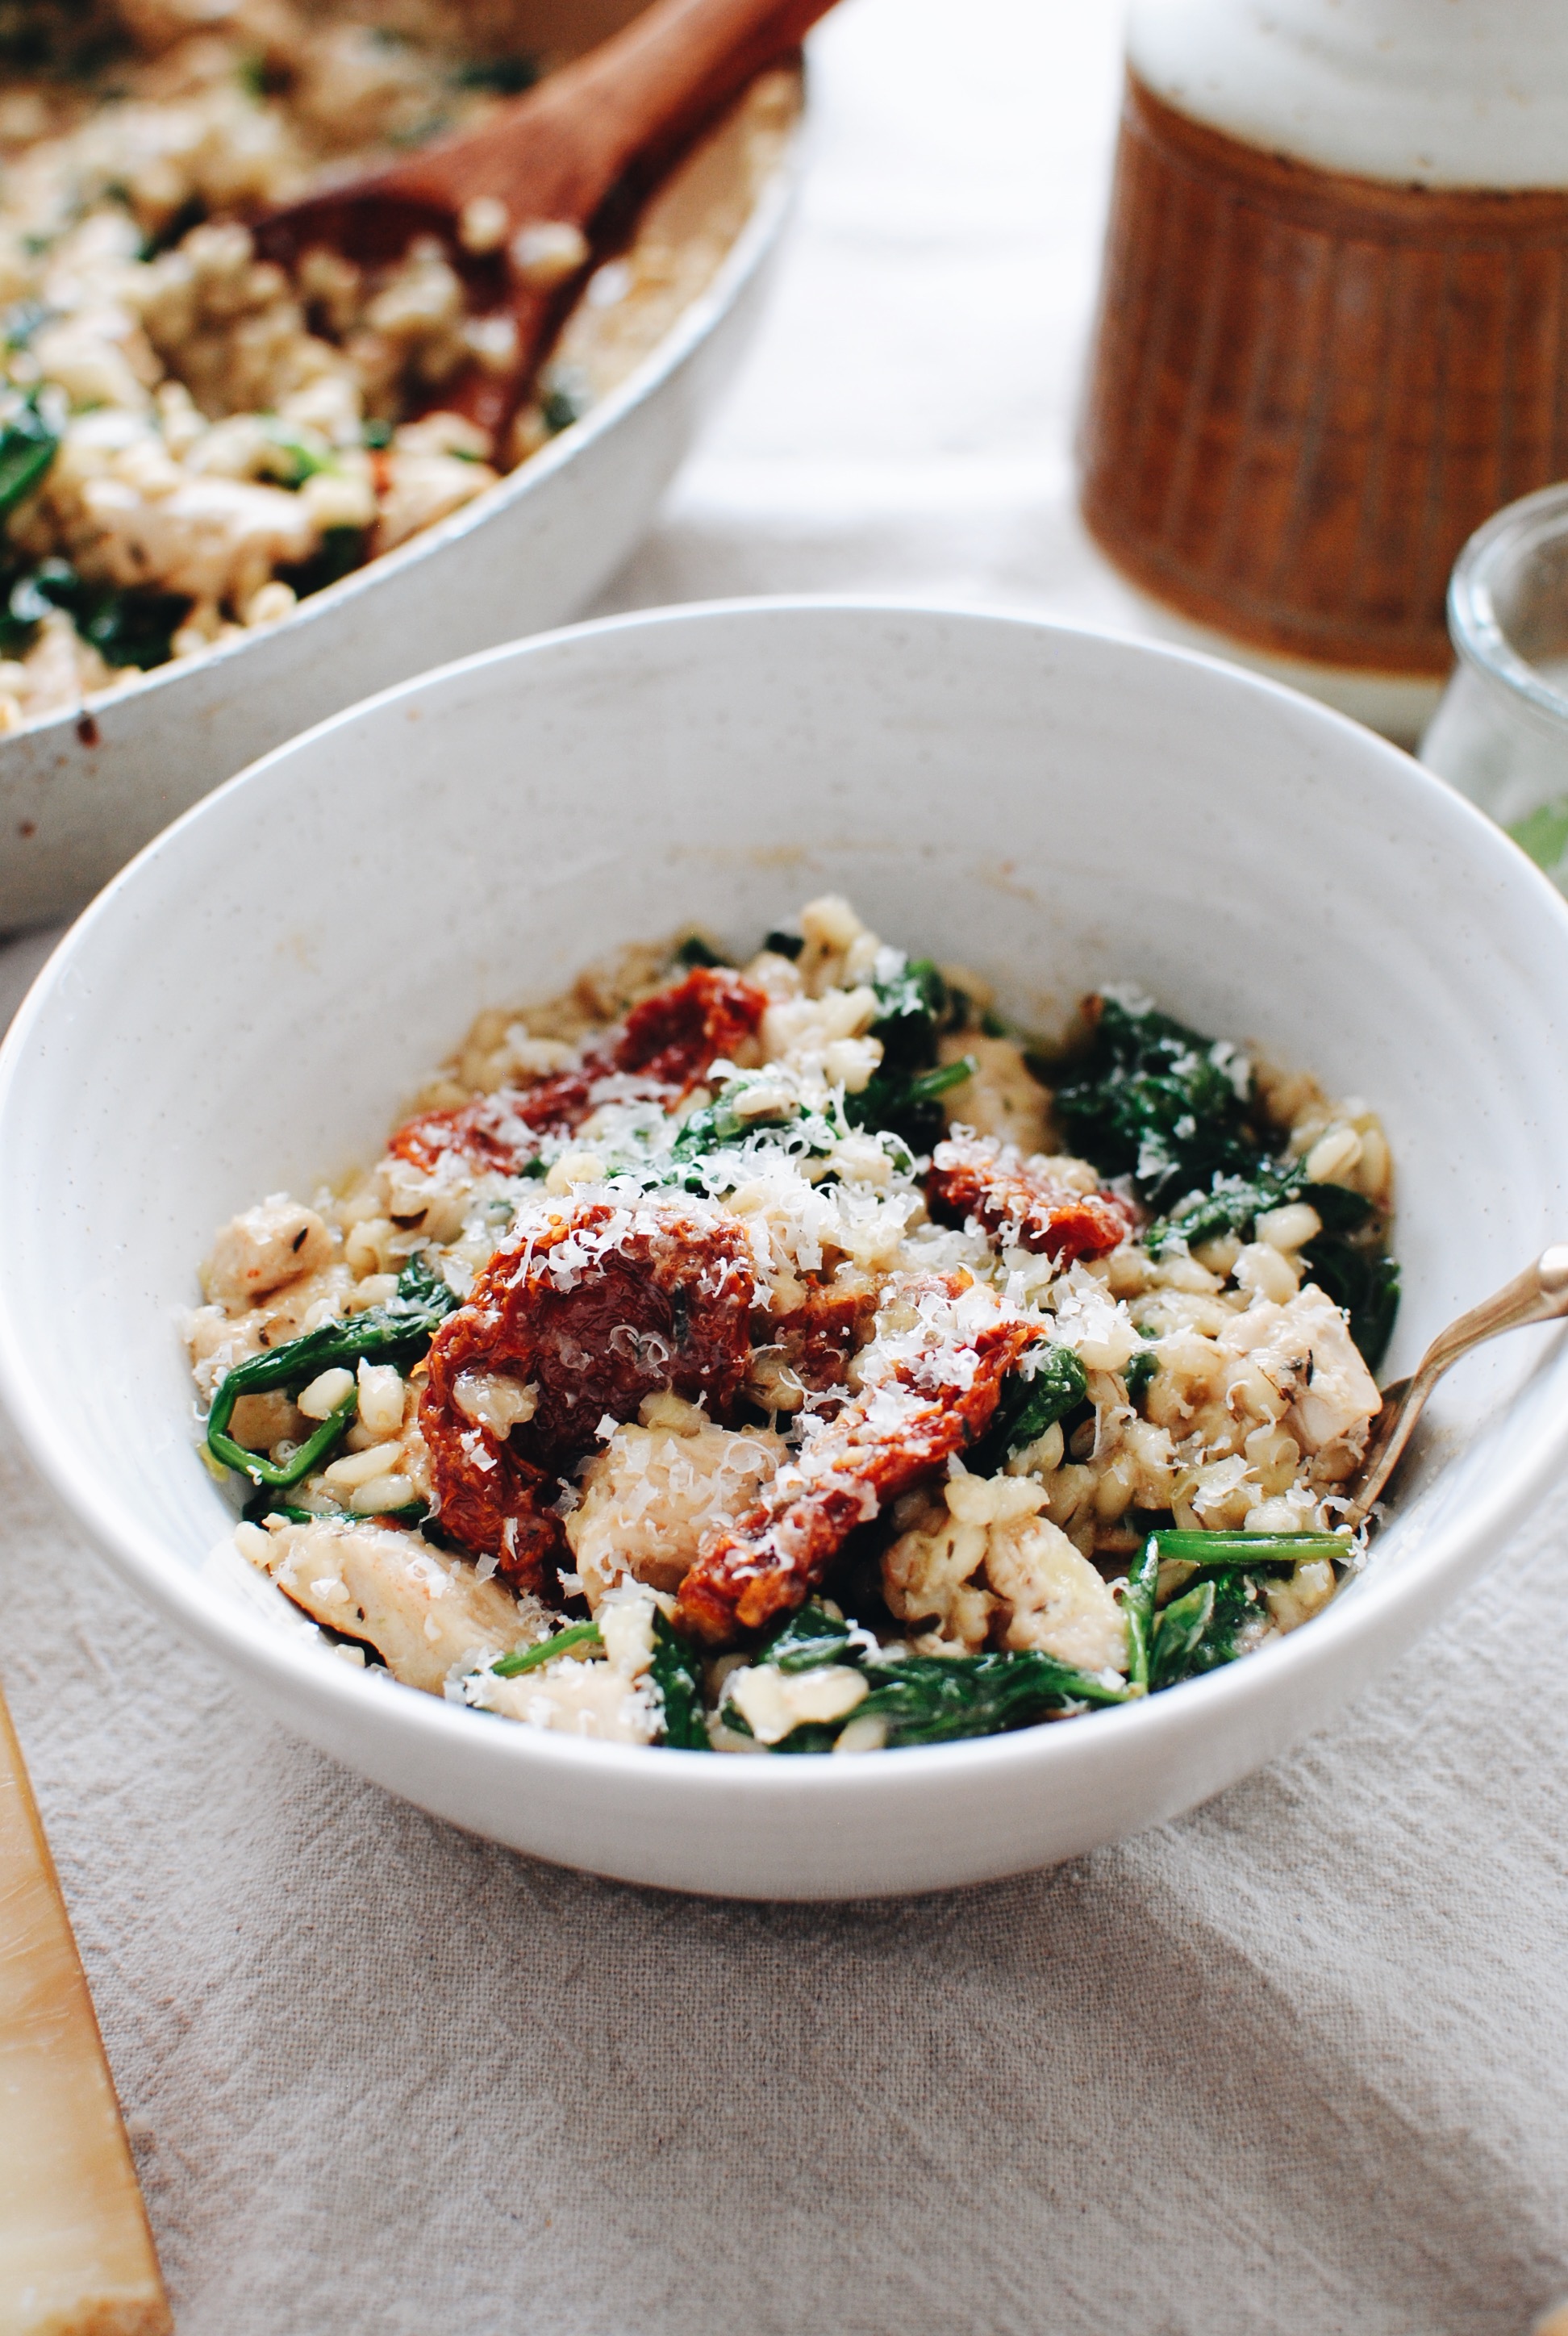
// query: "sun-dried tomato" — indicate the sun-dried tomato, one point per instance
point(502, 1130)
point(491, 1500)
point(924, 1407)
point(821, 1334)
point(594, 1307)
point(675, 1036)
point(1019, 1206)
point(665, 1044)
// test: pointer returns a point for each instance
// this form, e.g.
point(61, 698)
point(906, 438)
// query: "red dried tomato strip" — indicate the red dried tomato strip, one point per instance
point(822, 1333)
point(667, 1044)
point(501, 1131)
point(876, 1447)
point(677, 1035)
point(1019, 1206)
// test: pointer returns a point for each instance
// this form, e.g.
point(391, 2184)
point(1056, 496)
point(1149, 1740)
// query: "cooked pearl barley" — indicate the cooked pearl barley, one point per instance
point(850, 1062)
point(1290, 1227)
point(830, 922)
point(380, 1493)
point(1264, 1272)
point(380, 1398)
point(1334, 1154)
point(869, 1735)
point(1186, 1274)
point(574, 1168)
point(1278, 1517)
point(362, 1250)
point(609, 285)
point(324, 1395)
point(360, 1468)
point(271, 604)
point(1373, 1168)
point(765, 1098)
point(334, 501)
point(493, 341)
point(547, 251)
point(482, 224)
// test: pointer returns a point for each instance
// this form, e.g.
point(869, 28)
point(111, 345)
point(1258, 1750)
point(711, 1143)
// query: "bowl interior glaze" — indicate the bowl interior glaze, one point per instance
point(246, 1007)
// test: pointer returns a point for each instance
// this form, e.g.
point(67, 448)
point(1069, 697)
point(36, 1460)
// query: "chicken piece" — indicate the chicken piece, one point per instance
point(1305, 1349)
point(606, 1698)
point(575, 1698)
point(420, 489)
point(1305, 1592)
point(1056, 1602)
point(592, 1305)
point(929, 1384)
point(276, 1242)
point(213, 539)
point(658, 1487)
point(426, 1615)
point(1020, 1204)
point(260, 1421)
point(996, 1566)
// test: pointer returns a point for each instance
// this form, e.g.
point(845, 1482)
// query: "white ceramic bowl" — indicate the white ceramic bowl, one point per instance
point(246, 1007)
point(78, 797)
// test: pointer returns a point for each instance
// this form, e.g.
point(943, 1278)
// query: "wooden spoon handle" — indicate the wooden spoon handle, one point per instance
point(76, 2253)
point(558, 152)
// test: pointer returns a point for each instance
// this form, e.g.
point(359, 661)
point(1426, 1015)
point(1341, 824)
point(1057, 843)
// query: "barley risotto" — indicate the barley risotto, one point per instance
point(191, 438)
point(797, 1357)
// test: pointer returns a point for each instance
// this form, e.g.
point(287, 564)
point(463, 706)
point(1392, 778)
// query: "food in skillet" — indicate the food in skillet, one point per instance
point(767, 1358)
point(192, 440)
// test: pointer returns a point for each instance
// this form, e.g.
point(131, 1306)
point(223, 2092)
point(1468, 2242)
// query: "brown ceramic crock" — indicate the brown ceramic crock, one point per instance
point(1310, 384)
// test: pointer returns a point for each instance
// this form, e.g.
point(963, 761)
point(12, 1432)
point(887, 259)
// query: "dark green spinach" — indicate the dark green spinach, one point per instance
point(27, 448)
point(1030, 1401)
point(398, 1332)
point(676, 1674)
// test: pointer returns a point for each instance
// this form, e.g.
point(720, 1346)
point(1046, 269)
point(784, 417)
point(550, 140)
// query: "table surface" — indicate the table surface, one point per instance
point(1298, 2062)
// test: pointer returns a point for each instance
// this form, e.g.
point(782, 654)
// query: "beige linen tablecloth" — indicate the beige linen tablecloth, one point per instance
point(1298, 2063)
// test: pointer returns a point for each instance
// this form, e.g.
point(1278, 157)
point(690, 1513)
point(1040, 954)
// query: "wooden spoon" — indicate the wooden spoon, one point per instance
point(604, 125)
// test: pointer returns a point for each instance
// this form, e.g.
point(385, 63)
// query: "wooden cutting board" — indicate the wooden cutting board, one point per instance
point(76, 2256)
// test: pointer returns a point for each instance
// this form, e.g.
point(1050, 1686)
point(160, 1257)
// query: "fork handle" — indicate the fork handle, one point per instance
point(1539, 1294)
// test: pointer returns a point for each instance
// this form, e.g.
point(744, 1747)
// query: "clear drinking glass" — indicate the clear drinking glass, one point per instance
point(1500, 734)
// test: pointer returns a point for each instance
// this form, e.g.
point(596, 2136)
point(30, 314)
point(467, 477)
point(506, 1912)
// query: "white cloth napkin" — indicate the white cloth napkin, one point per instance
point(1297, 2064)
